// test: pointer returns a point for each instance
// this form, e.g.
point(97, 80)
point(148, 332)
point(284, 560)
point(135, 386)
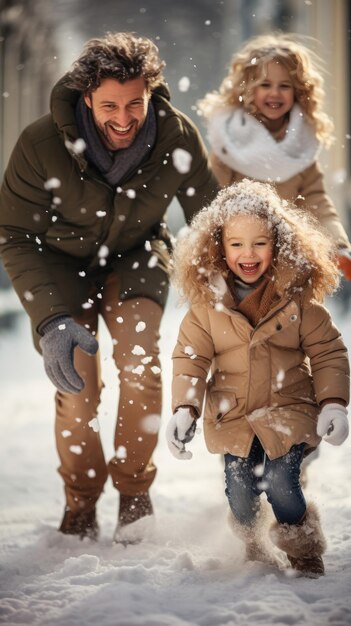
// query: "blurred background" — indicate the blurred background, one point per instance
point(39, 39)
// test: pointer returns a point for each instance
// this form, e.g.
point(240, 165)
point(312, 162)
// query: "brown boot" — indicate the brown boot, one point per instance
point(303, 543)
point(131, 509)
point(82, 523)
point(255, 537)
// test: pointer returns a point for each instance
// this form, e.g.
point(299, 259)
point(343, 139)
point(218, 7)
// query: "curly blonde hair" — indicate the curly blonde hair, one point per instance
point(247, 70)
point(304, 256)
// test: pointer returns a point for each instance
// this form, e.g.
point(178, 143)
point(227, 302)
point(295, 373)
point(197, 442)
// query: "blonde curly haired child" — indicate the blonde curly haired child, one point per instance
point(267, 122)
point(256, 270)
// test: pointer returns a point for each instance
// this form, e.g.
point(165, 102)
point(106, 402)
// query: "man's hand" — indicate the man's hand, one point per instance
point(344, 262)
point(180, 430)
point(333, 424)
point(60, 337)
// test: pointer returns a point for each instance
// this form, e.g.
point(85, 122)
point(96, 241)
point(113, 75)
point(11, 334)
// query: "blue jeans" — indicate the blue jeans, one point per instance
point(247, 478)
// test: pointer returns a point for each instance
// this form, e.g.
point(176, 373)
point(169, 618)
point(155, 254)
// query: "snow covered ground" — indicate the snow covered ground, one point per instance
point(190, 570)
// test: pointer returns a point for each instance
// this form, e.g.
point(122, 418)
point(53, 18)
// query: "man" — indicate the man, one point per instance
point(82, 234)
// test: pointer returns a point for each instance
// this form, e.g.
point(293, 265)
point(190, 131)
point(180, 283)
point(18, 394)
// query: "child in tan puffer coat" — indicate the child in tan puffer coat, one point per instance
point(255, 271)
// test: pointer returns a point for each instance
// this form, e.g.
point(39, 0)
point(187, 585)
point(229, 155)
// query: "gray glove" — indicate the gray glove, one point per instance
point(60, 337)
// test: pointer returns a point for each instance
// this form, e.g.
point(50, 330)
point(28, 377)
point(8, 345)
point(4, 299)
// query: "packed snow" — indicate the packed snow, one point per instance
point(190, 568)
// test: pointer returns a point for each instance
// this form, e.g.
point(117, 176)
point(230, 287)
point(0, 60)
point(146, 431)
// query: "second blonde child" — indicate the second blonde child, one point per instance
point(267, 122)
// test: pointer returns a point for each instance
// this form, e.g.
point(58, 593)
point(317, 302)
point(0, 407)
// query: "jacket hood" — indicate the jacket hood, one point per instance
point(62, 106)
point(163, 91)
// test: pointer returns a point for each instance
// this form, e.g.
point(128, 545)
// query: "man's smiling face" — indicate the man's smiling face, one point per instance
point(119, 110)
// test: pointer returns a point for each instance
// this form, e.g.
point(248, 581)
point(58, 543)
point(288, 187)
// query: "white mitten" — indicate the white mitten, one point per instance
point(333, 424)
point(180, 430)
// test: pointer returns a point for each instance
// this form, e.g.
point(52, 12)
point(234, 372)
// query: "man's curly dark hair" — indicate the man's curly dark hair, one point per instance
point(122, 56)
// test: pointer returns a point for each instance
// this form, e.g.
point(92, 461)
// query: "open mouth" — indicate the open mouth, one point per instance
point(249, 268)
point(121, 131)
point(274, 105)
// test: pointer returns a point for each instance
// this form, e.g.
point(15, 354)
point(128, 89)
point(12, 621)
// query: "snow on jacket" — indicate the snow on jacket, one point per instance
point(267, 381)
point(57, 242)
point(241, 147)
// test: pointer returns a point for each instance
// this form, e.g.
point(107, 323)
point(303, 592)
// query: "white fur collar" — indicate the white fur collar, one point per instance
point(246, 146)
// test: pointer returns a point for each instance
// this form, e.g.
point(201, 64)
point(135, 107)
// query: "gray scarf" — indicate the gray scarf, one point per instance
point(115, 166)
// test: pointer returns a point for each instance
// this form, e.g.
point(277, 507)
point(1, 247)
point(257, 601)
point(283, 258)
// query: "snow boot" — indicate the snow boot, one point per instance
point(303, 543)
point(132, 509)
point(82, 523)
point(255, 536)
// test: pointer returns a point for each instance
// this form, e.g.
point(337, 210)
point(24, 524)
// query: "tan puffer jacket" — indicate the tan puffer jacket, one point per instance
point(267, 381)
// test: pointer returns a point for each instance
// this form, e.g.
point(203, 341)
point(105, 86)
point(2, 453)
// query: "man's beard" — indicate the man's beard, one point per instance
point(113, 142)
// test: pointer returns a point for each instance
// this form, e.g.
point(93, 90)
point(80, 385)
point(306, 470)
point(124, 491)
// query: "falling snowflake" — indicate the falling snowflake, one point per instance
point(94, 424)
point(181, 160)
point(28, 296)
point(280, 377)
point(121, 452)
point(146, 360)
point(224, 405)
point(140, 327)
point(151, 423)
point(190, 394)
point(103, 252)
point(258, 469)
point(138, 350)
point(152, 262)
point(76, 449)
point(52, 183)
point(189, 350)
point(184, 84)
point(77, 147)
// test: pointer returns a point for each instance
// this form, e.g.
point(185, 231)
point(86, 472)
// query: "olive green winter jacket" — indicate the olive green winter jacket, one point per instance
point(57, 242)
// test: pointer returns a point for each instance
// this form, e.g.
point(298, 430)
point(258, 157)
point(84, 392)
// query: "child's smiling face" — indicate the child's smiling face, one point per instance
point(248, 247)
point(274, 96)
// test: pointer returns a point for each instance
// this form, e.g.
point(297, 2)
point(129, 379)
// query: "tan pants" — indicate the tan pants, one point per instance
point(134, 329)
